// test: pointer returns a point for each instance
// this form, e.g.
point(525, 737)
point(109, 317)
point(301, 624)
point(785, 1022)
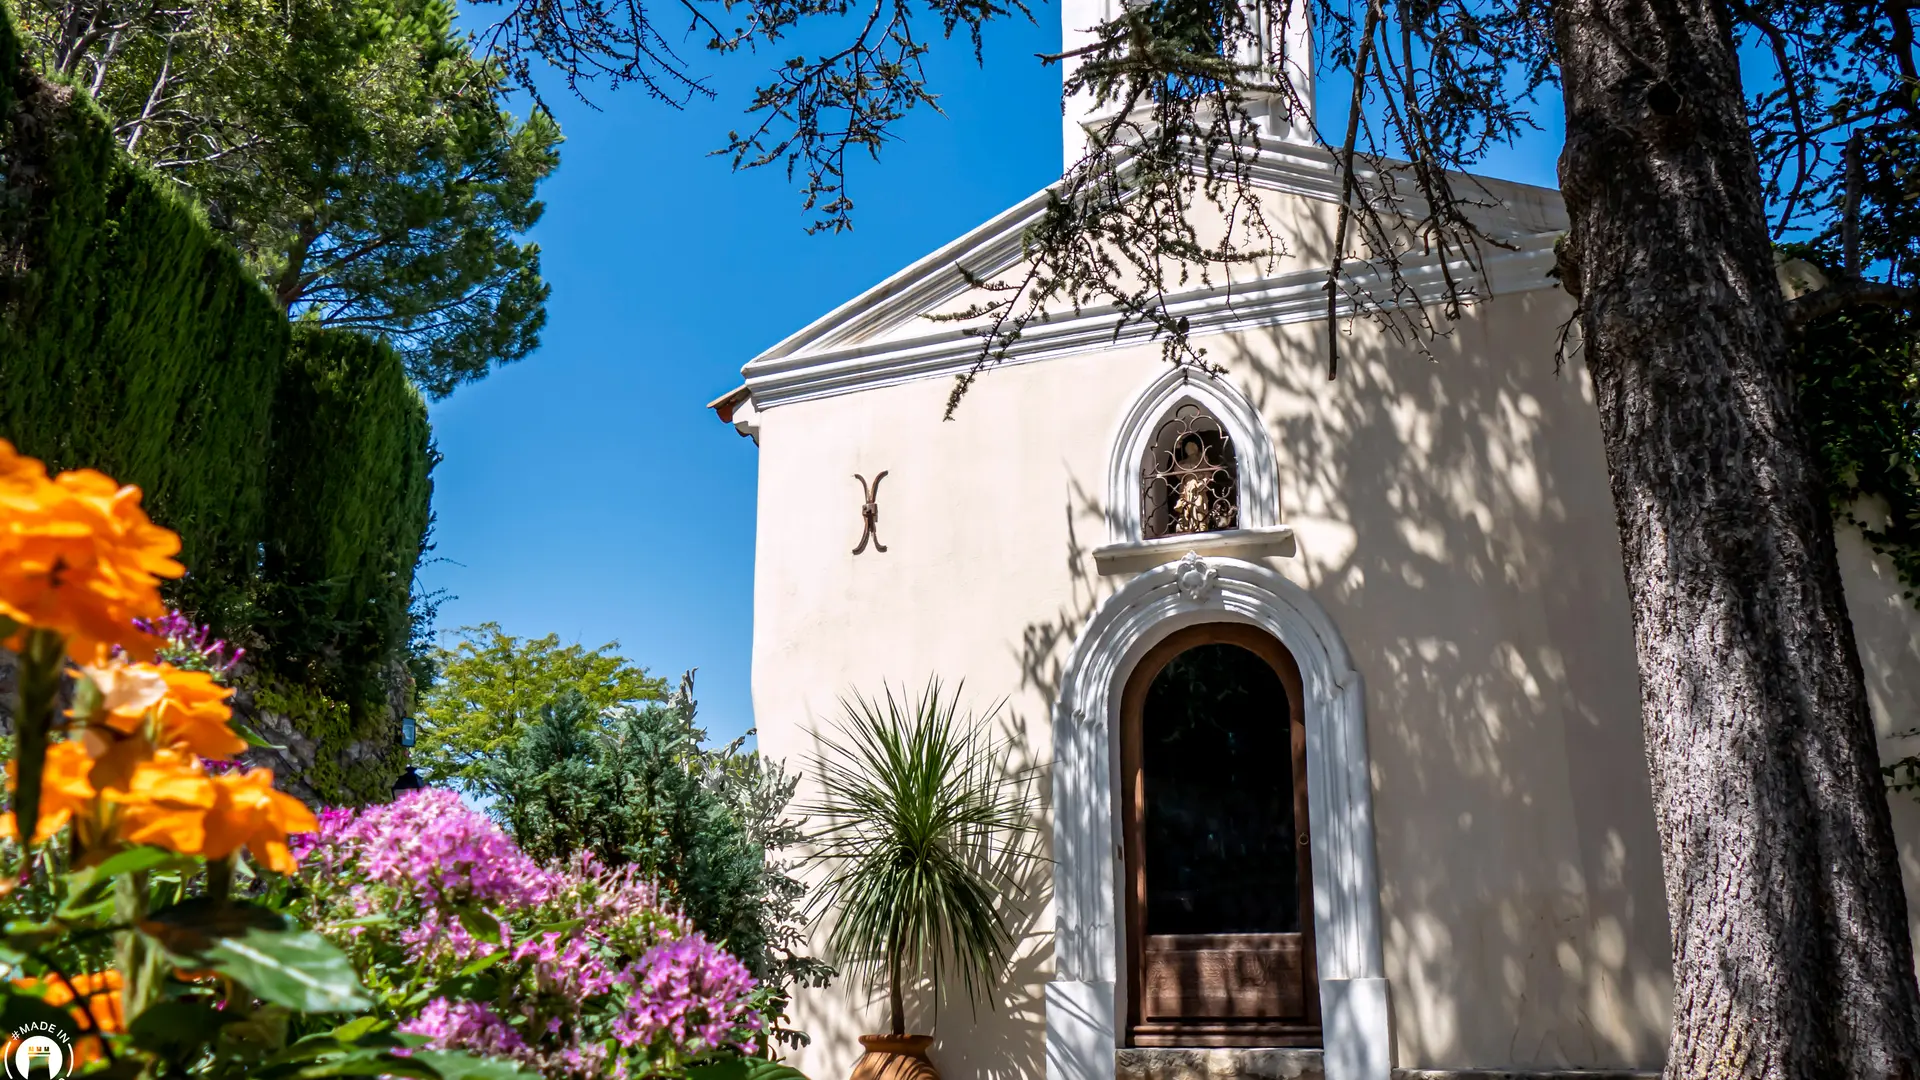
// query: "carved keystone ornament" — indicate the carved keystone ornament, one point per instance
point(1195, 577)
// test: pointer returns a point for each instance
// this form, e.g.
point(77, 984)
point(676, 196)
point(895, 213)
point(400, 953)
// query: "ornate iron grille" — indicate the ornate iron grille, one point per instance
point(1189, 481)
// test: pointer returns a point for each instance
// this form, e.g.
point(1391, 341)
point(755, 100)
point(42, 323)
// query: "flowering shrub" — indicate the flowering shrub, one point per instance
point(575, 971)
point(153, 905)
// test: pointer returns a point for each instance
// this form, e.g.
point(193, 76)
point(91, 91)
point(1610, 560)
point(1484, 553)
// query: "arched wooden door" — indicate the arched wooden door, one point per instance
point(1219, 875)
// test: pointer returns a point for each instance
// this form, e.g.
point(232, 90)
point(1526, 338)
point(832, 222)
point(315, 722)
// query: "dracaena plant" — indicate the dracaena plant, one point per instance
point(926, 830)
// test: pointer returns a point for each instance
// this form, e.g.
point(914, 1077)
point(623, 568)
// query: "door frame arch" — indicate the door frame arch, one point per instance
point(1085, 999)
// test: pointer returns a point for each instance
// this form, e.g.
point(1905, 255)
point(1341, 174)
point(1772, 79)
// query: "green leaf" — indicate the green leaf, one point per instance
point(370, 1061)
point(252, 737)
point(481, 924)
point(273, 956)
point(296, 968)
point(743, 1068)
point(130, 861)
point(454, 1065)
point(367, 920)
point(82, 884)
point(357, 1029)
point(176, 1030)
point(482, 964)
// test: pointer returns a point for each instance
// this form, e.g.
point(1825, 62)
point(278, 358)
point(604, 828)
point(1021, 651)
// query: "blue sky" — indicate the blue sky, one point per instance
point(586, 491)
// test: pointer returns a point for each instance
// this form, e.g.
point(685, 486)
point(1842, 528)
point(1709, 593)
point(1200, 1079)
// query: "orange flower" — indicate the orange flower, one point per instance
point(251, 814)
point(64, 790)
point(164, 802)
point(194, 715)
point(78, 555)
point(100, 990)
point(191, 708)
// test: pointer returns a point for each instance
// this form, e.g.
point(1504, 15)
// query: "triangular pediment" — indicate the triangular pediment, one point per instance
point(885, 335)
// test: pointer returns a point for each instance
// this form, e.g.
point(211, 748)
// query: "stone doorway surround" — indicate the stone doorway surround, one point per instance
point(1308, 1065)
point(1083, 1002)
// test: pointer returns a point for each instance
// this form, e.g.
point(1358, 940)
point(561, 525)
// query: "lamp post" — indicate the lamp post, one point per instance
point(411, 779)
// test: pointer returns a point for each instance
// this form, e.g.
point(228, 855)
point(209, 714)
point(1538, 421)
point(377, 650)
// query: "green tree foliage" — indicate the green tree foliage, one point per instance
point(638, 785)
point(491, 686)
point(1859, 379)
point(356, 151)
point(351, 496)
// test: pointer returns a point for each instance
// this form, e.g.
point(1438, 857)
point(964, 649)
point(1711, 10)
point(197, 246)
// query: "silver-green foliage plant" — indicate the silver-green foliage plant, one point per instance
point(926, 828)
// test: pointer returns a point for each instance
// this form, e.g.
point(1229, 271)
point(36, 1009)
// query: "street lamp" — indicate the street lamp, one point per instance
point(409, 780)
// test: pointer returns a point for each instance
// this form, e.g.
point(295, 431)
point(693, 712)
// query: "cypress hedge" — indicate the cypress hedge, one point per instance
point(132, 339)
point(293, 462)
point(350, 492)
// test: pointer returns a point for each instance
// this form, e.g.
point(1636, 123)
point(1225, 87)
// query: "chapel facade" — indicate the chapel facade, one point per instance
point(1331, 684)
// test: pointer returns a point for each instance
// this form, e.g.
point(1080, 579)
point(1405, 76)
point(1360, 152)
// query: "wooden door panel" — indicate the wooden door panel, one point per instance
point(1223, 977)
point(1221, 988)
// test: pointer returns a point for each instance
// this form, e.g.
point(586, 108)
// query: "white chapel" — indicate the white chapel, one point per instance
point(1377, 624)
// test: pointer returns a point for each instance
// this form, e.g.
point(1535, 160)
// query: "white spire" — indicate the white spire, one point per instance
point(1079, 17)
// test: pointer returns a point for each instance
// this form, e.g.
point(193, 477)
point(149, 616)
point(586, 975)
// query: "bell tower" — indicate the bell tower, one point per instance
point(1291, 43)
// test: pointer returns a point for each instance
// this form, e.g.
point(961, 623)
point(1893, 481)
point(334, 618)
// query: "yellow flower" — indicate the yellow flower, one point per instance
point(190, 707)
point(79, 556)
point(251, 814)
point(164, 802)
point(64, 790)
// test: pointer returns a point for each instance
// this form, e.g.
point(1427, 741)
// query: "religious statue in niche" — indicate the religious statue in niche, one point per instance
point(1192, 505)
point(1188, 480)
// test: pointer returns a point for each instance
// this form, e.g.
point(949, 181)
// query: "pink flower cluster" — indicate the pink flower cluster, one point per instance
point(429, 843)
point(590, 969)
point(691, 993)
point(468, 1025)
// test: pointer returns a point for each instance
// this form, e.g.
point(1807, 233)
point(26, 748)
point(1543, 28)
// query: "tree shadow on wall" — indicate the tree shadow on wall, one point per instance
point(1454, 520)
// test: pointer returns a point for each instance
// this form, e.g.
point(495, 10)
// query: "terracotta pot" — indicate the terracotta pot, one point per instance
point(895, 1057)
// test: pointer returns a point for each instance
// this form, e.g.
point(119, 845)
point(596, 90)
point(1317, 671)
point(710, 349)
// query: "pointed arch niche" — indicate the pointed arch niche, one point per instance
point(1244, 514)
point(1084, 1002)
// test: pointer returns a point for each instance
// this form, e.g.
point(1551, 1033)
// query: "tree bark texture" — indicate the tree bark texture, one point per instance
point(1790, 947)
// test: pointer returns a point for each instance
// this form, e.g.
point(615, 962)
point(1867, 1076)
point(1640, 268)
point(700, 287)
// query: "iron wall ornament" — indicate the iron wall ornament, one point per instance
point(1189, 480)
point(870, 513)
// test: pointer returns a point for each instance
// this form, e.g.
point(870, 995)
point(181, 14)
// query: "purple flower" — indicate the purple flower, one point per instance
point(594, 977)
point(693, 993)
point(431, 844)
point(466, 1025)
point(191, 646)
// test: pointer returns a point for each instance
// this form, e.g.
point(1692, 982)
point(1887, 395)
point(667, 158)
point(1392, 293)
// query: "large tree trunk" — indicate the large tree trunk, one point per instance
point(1790, 948)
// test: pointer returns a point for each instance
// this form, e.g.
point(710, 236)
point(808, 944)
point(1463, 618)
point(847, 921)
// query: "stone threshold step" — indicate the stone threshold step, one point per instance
point(1297, 1064)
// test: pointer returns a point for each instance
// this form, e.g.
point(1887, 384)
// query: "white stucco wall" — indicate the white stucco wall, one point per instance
point(1453, 519)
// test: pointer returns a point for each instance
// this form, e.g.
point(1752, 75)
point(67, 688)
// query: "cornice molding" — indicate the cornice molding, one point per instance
point(842, 353)
point(1280, 300)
